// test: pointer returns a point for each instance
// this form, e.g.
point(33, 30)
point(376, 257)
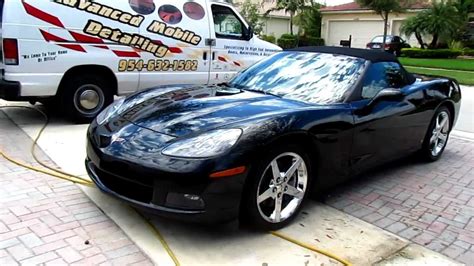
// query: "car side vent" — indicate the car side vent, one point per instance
point(104, 141)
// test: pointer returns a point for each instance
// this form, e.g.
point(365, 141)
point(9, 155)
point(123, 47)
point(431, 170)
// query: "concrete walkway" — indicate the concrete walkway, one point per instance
point(44, 220)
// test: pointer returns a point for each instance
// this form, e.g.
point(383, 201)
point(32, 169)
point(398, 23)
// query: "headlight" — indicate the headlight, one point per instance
point(206, 145)
point(109, 111)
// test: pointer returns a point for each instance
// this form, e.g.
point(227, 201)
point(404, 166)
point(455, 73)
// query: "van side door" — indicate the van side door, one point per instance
point(183, 27)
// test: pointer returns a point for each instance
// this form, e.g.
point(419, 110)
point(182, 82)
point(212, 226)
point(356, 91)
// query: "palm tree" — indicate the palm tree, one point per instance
point(464, 7)
point(414, 25)
point(440, 20)
point(289, 6)
point(309, 20)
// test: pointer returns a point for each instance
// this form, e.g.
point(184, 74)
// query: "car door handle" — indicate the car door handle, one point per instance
point(213, 56)
point(204, 56)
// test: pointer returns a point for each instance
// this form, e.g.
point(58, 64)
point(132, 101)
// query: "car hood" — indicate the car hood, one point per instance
point(187, 110)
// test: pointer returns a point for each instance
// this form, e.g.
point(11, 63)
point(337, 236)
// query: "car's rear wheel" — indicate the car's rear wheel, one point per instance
point(438, 134)
point(277, 188)
point(83, 97)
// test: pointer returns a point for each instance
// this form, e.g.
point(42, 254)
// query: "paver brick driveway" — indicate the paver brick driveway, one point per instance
point(431, 204)
point(44, 220)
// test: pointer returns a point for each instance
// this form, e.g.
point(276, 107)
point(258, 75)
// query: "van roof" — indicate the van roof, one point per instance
point(223, 1)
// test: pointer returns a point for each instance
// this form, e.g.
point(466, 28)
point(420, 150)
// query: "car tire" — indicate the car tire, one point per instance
point(84, 96)
point(265, 190)
point(437, 136)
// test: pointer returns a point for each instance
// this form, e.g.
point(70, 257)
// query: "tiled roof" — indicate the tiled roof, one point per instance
point(355, 6)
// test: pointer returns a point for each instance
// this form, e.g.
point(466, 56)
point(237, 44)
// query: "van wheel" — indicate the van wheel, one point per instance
point(85, 96)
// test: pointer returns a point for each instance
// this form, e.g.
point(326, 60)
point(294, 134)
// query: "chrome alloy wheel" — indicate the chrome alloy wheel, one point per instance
point(439, 136)
point(282, 187)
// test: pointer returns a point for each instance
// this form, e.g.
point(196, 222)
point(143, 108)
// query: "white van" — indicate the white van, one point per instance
point(78, 54)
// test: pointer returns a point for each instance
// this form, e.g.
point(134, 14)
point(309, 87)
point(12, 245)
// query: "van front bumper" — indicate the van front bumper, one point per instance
point(10, 90)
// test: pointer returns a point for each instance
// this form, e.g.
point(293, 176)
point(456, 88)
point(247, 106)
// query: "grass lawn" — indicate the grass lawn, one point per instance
point(454, 64)
point(464, 78)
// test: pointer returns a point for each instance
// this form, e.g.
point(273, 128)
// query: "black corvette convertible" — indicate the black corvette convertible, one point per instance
point(293, 124)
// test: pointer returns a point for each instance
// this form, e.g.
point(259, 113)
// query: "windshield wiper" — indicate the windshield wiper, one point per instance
point(263, 92)
point(224, 84)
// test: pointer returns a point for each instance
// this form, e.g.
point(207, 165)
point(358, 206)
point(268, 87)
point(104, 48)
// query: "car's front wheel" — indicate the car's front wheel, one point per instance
point(277, 188)
point(438, 134)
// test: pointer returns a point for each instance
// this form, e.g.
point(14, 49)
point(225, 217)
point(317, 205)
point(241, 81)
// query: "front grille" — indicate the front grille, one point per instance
point(125, 187)
point(126, 173)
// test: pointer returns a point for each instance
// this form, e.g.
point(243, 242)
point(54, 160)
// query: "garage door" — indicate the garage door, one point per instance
point(362, 32)
point(276, 26)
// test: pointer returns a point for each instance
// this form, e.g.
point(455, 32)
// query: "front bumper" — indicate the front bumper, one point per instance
point(198, 199)
point(10, 90)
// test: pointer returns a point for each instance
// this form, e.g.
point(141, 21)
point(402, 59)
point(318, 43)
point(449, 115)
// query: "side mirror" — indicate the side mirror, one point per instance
point(248, 33)
point(386, 94)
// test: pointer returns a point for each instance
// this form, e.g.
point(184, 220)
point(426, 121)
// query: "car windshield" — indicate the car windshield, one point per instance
point(315, 78)
point(379, 39)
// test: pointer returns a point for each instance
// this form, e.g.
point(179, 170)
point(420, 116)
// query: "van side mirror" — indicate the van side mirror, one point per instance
point(248, 33)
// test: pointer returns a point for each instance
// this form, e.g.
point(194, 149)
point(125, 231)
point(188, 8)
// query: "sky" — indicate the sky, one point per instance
point(334, 2)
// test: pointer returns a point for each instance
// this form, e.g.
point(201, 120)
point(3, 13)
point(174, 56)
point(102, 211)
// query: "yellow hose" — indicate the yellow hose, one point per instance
point(162, 240)
point(82, 181)
point(69, 177)
point(309, 247)
point(32, 168)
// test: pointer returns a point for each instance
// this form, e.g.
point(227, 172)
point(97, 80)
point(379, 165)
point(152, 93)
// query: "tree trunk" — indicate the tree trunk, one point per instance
point(291, 23)
point(385, 30)
point(434, 42)
point(419, 38)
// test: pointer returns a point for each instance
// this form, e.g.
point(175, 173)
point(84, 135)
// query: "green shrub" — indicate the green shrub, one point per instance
point(455, 45)
point(288, 41)
point(468, 44)
point(310, 41)
point(468, 52)
point(430, 53)
point(287, 36)
point(269, 38)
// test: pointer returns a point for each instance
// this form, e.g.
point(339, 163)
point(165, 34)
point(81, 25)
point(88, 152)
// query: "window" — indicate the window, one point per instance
point(380, 76)
point(226, 23)
point(396, 39)
point(379, 39)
